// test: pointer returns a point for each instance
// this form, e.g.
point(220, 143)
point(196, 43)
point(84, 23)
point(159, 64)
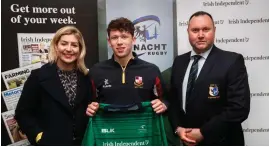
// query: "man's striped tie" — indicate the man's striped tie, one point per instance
point(192, 76)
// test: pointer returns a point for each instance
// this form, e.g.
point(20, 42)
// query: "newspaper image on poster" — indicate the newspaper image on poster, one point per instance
point(33, 47)
point(20, 143)
point(16, 77)
point(14, 132)
point(11, 97)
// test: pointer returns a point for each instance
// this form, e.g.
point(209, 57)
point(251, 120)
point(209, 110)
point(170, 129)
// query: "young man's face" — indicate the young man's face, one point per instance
point(201, 32)
point(121, 43)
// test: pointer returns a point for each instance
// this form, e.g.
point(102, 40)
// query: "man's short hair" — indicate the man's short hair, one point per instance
point(121, 24)
point(199, 13)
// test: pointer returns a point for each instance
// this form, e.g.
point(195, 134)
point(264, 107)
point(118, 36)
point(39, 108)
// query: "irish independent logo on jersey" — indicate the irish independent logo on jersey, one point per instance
point(138, 83)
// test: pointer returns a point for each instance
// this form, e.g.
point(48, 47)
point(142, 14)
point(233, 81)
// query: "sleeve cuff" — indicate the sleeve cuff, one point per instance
point(38, 137)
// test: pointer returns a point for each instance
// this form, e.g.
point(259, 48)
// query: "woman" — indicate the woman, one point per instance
point(51, 109)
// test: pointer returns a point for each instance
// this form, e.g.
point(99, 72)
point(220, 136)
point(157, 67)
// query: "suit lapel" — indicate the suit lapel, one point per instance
point(50, 81)
point(81, 88)
point(209, 63)
point(183, 66)
point(179, 71)
point(205, 71)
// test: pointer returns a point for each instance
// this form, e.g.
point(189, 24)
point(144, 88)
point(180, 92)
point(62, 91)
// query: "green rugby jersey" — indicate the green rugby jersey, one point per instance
point(136, 125)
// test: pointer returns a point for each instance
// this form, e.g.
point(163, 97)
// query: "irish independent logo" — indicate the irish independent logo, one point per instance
point(138, 83)
point(213, 91)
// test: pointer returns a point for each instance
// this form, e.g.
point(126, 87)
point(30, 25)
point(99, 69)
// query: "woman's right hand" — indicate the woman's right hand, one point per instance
point(92, 108)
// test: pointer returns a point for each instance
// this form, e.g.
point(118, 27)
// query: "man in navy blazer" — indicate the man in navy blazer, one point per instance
point(210, 95)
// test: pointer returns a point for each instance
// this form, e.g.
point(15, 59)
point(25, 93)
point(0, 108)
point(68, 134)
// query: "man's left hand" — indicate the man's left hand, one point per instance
point(158, 106)
point(195, 134)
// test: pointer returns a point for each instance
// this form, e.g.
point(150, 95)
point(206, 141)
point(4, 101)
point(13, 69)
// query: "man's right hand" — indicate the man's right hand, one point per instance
point(182, 133)
point(92, 108)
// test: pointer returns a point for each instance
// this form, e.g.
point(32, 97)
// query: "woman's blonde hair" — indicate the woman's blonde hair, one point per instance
point(69, 30)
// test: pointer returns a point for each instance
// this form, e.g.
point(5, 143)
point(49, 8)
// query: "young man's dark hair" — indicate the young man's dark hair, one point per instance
point(121, 24)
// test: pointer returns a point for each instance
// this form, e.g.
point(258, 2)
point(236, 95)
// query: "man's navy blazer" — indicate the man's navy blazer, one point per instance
point(220, 100)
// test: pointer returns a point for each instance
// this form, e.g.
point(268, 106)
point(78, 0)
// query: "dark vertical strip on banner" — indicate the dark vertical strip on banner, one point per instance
point(102, 39)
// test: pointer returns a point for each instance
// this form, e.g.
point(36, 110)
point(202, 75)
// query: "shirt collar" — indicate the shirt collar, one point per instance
point(134, 59)
point(204, 54)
